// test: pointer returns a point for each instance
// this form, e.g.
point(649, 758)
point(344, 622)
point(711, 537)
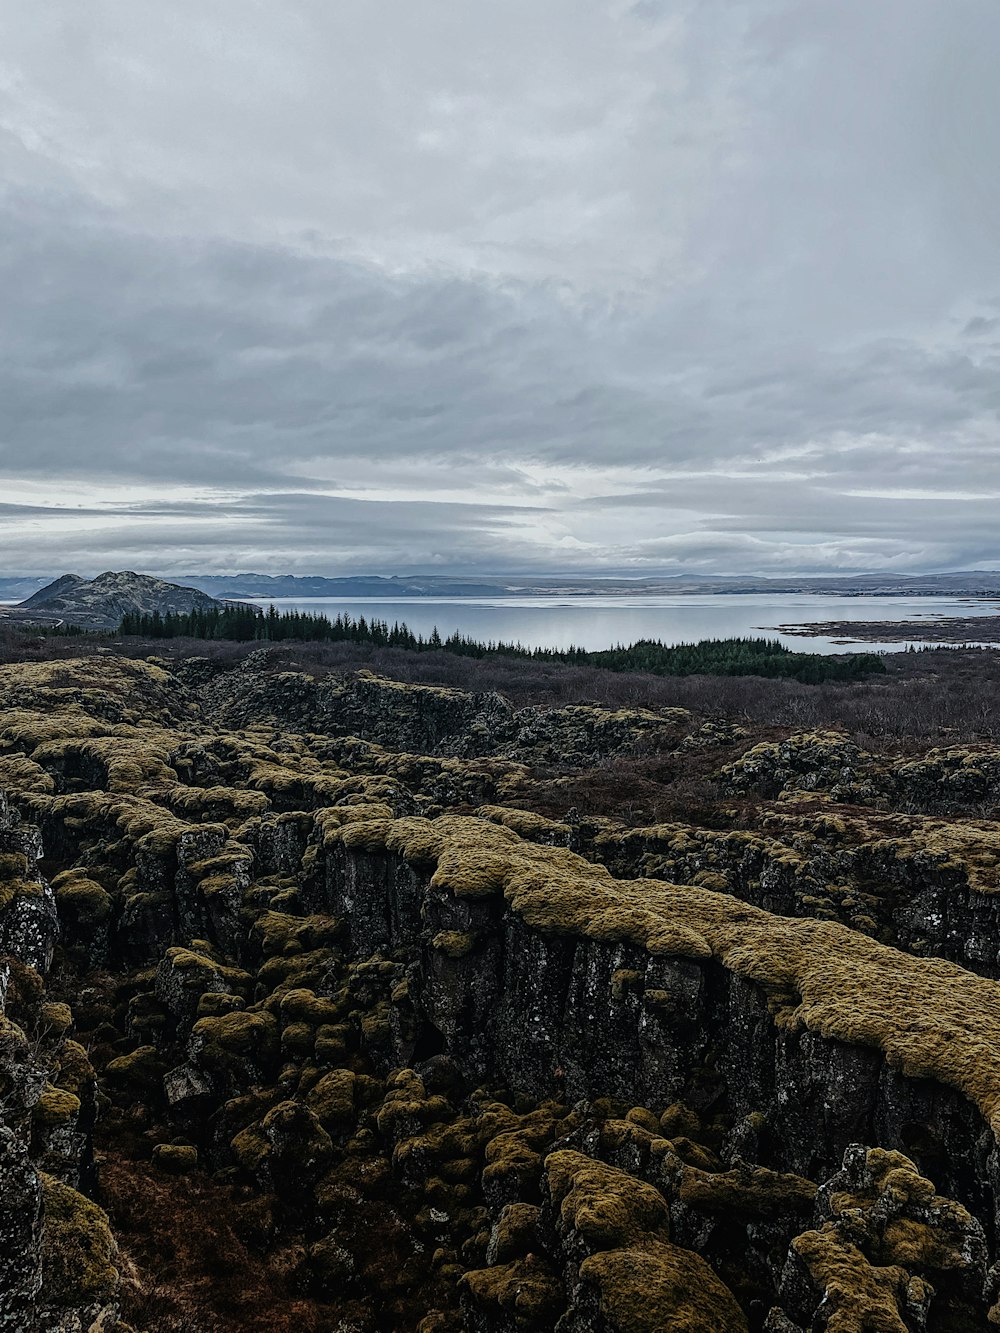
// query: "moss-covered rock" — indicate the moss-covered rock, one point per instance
point(288, 1150)
point(83, 903)
point(138, 1073)
point(239, 1046)
point(175, 1158)
point(79, 1253)
point(652, 1286)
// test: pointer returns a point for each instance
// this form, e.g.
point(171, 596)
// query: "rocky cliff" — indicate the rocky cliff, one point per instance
point(304, 1029)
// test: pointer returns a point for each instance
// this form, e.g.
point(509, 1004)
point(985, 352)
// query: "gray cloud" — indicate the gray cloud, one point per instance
point(355, 534)
point(980, 326)
point(608, 286)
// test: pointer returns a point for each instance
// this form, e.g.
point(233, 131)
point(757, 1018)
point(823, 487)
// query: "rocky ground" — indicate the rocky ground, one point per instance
point(339, 1003)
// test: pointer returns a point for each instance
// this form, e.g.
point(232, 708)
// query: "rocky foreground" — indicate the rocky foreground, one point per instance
point(312, 1020)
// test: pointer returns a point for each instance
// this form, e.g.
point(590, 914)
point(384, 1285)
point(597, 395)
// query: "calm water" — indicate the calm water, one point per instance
point(600, 622)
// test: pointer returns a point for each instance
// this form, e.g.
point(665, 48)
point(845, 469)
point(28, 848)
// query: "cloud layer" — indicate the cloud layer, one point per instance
point(633, 286)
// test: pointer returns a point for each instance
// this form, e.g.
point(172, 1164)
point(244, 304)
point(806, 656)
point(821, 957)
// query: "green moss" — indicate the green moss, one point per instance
point(141, 1069)
point(55, 1107)
point(20, 774)
point(711, 879)
point(526, 1289)
point(454, 943)
point(746, 1189)
point(857, 1294)
point(624, 980)
point(305, 1006)
point(512, 1156)
point(606, 1206)
point(194, 971)
point(278, 933)
point(639, 1115)
point(218, 802)
point(80, 899)
point(916, 1228)
point(13, 865)
point(616, 1133)
point(251, 1035)
point(694, 1154)
point(930, 1019)
point(375, 1027)
point(332, 1100)
point(18, 888)
point(289, 1144)
point(79, 1253)
point(407, 1106)
point(331, 1263)
point(242, 1112)
point(75, 1069)
point(515, 1232)
point(295, 970)
point(531, 826)
point(187, 961)
point(211, 1004)
point(653, 1286)
point(332, 1042)
point(175, 1158)
point(55, 1018)
point(250, 1148)
point(298, 1038)
point(146, 1016)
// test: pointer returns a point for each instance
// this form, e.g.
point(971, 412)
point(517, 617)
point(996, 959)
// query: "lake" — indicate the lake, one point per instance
point(595, 622)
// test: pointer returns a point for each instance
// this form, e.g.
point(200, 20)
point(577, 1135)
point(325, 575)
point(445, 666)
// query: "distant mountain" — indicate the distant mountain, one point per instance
point(80, 600)
point(13, 587)
point(400, 587)
point(362, 585)
point(100, 603)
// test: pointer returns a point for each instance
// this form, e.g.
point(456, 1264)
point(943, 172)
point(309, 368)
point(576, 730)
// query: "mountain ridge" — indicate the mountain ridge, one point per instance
point(71, 595)
point(100, 603)
point(404, 586)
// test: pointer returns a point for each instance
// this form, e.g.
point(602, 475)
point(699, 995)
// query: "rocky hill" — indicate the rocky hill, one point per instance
point(312, 1019)
point(101, 602)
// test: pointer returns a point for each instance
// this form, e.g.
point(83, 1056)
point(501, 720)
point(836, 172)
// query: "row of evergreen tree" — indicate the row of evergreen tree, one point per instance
point(736, 657)
point(717, 657)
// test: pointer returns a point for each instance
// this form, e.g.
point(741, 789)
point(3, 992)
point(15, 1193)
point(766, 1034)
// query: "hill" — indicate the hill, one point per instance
point(101, 602)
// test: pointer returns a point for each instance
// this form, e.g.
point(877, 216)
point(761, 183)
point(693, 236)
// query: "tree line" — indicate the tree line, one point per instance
point(716, 657)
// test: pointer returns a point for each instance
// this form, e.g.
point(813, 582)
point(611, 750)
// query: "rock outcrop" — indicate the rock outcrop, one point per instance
point(427, 719)
point(56, 1249)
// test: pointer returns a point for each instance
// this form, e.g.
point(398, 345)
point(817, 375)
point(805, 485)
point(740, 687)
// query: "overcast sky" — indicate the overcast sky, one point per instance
point(389, 285)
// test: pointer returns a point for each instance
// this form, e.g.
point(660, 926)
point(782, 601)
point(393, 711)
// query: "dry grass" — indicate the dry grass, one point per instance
point(191, 1262)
